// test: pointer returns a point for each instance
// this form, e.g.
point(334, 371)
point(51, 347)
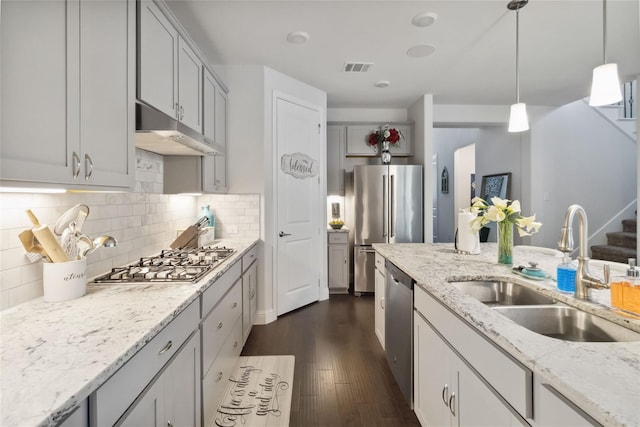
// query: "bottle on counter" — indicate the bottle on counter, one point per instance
point(566, 275)
point(206, 211)
point(625, 291)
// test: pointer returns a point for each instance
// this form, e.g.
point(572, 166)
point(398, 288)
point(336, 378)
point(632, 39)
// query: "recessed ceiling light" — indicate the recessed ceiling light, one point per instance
point(424, 19)
point(420, 51)
point(382, 83)
point(297, 37)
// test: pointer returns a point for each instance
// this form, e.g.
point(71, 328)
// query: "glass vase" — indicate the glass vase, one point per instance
point(505, 243)
point(385, 155)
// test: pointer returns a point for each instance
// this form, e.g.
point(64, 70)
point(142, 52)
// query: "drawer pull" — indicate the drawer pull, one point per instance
point(235, 304)
point(445, 392)
point(219, 325)
point(219, 377)
point(235, 344)
point(166, 347)
point(169, 423)
point(252, 293)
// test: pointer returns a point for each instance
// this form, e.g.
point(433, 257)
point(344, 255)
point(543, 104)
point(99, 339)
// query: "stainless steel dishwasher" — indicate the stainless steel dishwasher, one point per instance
point(398, 324)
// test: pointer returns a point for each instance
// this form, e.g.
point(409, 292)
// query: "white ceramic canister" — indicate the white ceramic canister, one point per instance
point(63, 281)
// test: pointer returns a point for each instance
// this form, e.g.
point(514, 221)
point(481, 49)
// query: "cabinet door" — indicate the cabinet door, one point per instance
point(403, 146)
point(358, 140)
point(552, 409)
point(34, 39)
point(189, 86)
point(335, 157)
point(249, 299)
point(182, 386)
point(221, 117)
point(107, 82)
point(379, 308)
point(209, 105)
point(148, 410)
point(157, 60)
point(433, 386)
point(476, 403)
point(338, 266)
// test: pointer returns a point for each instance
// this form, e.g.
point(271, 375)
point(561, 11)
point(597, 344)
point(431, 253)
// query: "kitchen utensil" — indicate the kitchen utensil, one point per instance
point(47, 240)
point(100, 242)
point(85, 244)
point(34, 250)
point(69, 241)
point(190, 234)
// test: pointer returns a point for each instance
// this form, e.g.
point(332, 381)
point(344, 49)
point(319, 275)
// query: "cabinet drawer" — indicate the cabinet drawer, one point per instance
point(115, 395)
point(339, 238)
point(249, 257)
point(379, 265)
point(216, 327)
point(215, 382)
point(214, 293)
point(513, 381)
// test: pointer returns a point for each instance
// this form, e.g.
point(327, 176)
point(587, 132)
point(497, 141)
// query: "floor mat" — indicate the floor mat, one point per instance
point(259, 393)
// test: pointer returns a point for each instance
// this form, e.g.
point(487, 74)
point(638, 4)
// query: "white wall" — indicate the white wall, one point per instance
point(445, 142)
point(421, 113)
point(579, 157)
point(367, 115)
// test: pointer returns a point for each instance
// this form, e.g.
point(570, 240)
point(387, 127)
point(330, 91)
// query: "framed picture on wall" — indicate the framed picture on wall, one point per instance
point(498, 185)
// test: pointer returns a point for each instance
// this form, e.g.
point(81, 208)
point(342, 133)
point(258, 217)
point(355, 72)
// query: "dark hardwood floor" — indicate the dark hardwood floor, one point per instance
point(341, 374)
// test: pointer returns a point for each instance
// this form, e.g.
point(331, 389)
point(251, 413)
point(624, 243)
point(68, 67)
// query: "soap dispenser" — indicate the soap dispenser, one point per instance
point(625, 291)
point(566, 275)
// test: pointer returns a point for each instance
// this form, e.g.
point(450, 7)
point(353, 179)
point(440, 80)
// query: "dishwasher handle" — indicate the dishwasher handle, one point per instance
point(398, 275)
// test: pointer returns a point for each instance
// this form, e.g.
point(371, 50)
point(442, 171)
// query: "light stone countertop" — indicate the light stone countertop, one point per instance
point(603, 379)
point(54, 355)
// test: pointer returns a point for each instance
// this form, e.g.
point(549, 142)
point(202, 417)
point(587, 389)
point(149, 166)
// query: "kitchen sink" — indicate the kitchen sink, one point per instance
point(567, 323)
point(501, 293)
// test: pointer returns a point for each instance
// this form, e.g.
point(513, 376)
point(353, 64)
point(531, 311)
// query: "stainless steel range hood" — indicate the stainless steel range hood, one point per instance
point(163, 134)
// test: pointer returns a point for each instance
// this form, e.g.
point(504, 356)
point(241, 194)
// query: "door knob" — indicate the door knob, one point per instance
point(282, 234)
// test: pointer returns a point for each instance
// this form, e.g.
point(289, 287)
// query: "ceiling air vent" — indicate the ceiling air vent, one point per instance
point(357, 67)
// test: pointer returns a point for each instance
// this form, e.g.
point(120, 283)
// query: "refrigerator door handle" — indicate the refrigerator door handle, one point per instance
point(367, 251)
point(385, 204)
point(392, 206)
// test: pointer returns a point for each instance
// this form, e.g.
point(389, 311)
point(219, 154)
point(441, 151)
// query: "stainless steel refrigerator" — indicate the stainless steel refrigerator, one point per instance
point(387, 209)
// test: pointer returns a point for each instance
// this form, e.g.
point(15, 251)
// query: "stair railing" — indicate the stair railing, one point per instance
point(628, 110)
point(599, 237)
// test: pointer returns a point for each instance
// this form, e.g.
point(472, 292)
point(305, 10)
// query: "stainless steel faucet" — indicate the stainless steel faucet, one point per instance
point(584, 280)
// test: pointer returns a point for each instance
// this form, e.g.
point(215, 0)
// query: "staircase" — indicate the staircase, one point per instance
point(621, 245)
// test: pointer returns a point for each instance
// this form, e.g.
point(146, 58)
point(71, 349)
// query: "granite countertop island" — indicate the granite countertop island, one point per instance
point(54, 355)
point(603, 379)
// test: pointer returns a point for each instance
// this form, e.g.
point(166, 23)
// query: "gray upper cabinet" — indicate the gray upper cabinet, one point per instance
point(189, 86)
point(73, 124)
point(157, 60)
point(214, 168)
point(170, 73)
point(335, 159)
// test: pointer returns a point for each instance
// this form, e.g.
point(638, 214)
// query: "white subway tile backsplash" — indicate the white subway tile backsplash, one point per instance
point(144, 222)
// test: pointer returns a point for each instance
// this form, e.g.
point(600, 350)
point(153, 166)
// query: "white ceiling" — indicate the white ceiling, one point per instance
point(474, 40)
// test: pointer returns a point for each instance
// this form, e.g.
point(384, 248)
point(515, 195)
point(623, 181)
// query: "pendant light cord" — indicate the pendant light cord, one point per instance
point(604, 31)
point(517, 55)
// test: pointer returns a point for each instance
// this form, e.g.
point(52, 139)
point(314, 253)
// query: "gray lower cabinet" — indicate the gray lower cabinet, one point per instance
point(249, 291)
point(169, 362)
point(79, 417)
point(74, 124)
point(338, 262)
point(173, 399)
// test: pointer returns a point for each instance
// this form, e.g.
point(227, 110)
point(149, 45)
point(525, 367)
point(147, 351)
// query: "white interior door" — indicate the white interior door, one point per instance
point(298, 139)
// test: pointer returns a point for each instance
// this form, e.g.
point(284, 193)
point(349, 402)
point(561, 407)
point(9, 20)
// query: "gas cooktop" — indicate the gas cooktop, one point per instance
point(173, 265)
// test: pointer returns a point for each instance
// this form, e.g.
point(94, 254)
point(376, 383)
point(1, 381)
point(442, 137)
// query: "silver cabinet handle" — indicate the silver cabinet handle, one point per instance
point(88, 166)
point(219, 325)
point(235, 304)
point(169, 424)
point(76, 165)
point(445, 392)
point(166, 347)
point(382, 303)
point(282, 234)
point(181, 112)
point(252, 293)
point(235, 344)
point(452, 404)
point(219, 377)
point(177, 111)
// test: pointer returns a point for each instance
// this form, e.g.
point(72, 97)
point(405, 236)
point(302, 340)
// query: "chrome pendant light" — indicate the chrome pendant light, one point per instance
point(518, 120)
point(605, 85)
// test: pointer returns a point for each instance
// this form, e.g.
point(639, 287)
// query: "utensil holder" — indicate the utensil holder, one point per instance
point(64, 281)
